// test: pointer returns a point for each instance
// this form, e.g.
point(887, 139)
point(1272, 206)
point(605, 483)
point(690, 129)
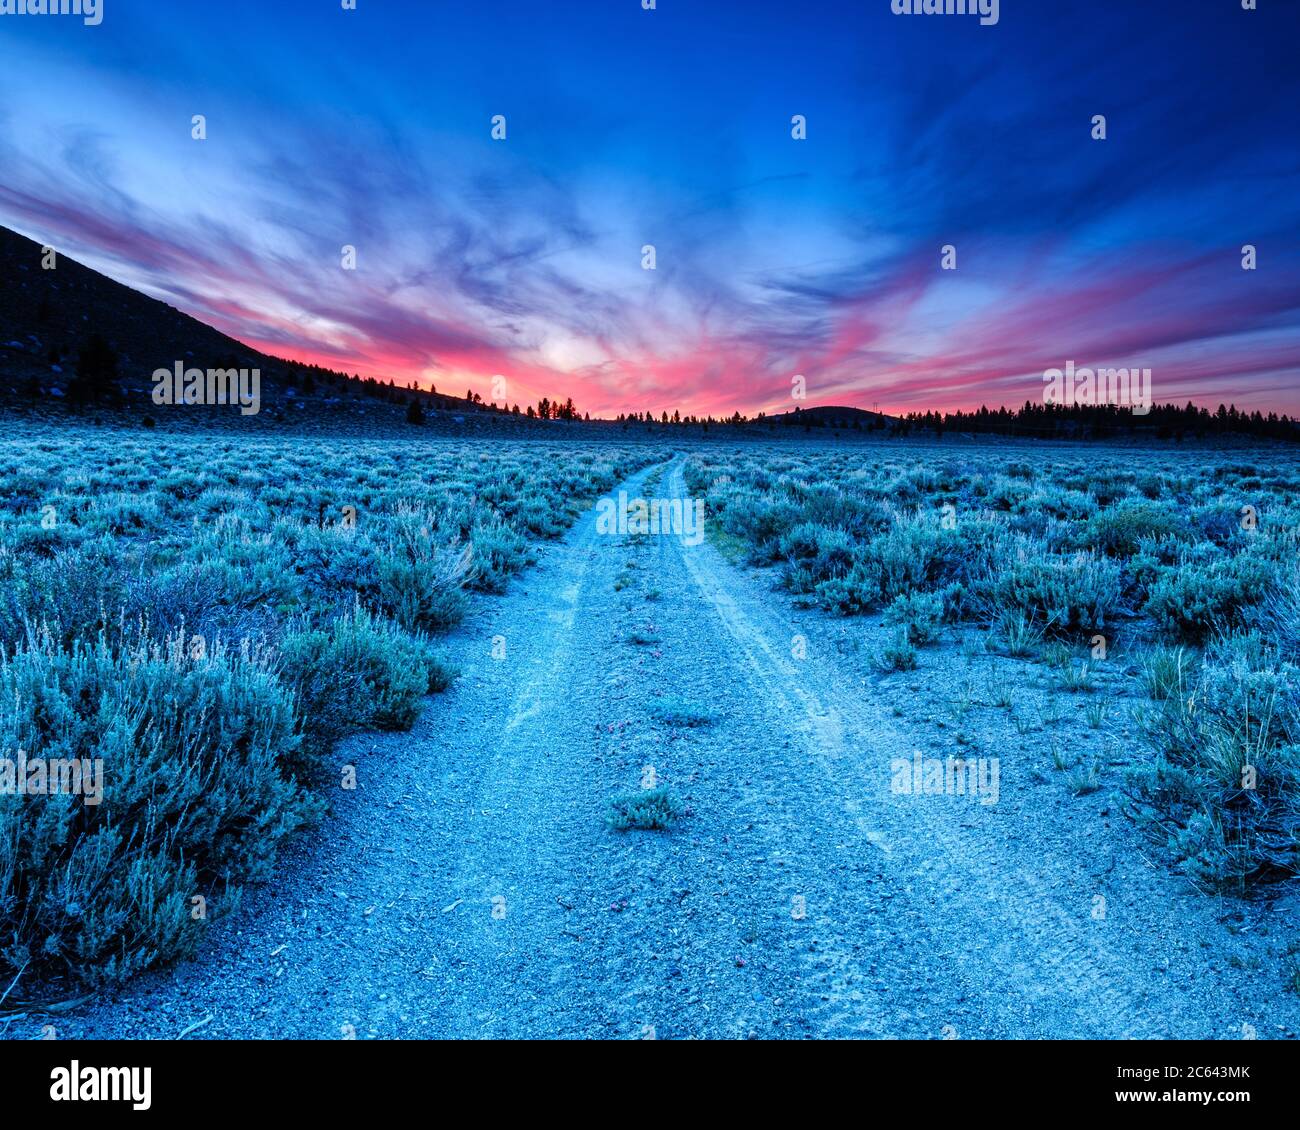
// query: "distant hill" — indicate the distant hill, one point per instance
point(47, 317)
point(835, 416)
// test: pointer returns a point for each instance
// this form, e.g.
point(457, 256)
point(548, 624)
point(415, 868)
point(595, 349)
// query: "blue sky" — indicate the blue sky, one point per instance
point(672, 127)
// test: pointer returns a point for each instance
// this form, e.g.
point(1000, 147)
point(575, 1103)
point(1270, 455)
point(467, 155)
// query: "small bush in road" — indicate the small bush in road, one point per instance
point(651, 810)
point(675, 712)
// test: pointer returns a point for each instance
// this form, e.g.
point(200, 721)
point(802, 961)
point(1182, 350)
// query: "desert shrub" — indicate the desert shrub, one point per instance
point(1004, 493)
point(1151, 485)
point(927, 478)
point(1061, 593)
point(958, 602)
point(1145, 568)
point(32, 538)
point(858, 516)
point(1191, 600)
point(815, 553)
point(653, 810)
point(920, 615)
point(902, 491)
point(1218, 524)
point(898, 655)
point(856, 592)
point(185, 485)
point(336, 563)
point(1277, 616)
point(219, 501)
point(1221, 790)
point(1057, 502)
point(1120, 530)
point(758, 521)
point(542, 515)
point(1108, 486)
point(196, 800)
point(195, 599)
point(258, 578)
point(499, 552)
point(359, 672)
point(421, 585)
point(76, 594)
point(248, 567)
point(918, 553)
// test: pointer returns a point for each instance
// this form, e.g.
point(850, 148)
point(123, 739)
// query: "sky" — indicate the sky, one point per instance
point(774, 257)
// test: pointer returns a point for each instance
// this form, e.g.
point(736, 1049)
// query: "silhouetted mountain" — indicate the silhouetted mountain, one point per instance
point(834, 416)
point(73, 341)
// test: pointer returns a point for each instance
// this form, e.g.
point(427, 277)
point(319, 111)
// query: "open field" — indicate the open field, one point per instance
point(670, 785)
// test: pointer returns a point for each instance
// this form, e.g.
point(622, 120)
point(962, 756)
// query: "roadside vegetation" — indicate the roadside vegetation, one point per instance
point(1186, 561)
point(208, 617)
